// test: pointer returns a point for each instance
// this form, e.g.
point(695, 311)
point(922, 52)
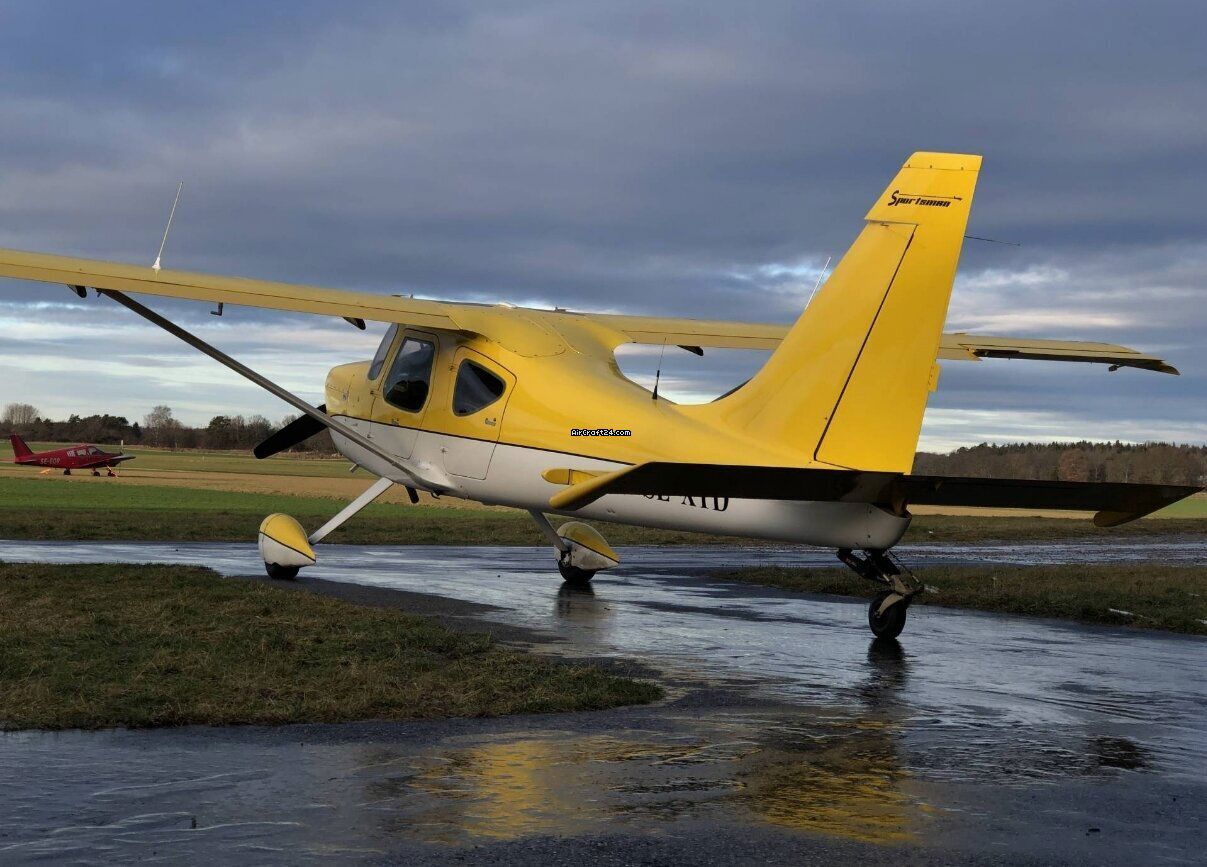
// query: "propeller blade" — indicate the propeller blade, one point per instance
point(297, 431)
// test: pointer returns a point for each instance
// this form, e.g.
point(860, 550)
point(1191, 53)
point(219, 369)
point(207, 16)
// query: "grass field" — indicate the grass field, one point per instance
point(99, 646)
point(84, 508)
point(201, 460)
point(34, 509)
point(1150, 595)
point(1192, 507)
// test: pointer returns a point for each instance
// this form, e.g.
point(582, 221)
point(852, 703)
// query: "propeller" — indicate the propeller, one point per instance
point(297, 431)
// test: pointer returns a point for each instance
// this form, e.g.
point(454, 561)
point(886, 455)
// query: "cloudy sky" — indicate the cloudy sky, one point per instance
point(694, 158)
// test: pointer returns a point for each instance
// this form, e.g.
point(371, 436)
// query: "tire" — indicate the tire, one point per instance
point(891, 622)
point(574, 576)
point(281, 573)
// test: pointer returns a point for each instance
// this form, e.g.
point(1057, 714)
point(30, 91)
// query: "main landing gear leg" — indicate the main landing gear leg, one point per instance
point(886, 614)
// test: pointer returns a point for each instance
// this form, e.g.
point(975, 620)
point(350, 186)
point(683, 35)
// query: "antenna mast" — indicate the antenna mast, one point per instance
point(168, 227)
point(658, 374)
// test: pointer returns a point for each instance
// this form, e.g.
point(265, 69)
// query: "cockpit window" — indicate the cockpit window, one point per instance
point(410, 376)
point(476, 389)
point(379, 358)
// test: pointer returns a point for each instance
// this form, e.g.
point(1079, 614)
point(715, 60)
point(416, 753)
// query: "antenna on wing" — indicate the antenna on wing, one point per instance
point(168, 227)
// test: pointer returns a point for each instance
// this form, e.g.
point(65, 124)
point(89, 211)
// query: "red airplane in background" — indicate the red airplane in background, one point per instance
point(81, 457)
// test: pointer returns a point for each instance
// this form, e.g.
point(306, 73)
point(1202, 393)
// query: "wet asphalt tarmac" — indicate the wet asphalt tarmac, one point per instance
point(788, 737)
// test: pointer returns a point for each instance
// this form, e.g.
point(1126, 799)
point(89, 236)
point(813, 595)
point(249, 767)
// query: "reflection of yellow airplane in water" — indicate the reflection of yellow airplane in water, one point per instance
point(527, 408)
point(831, 770)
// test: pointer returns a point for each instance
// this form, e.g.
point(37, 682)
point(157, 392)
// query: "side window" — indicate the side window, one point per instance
point(476, 388)
point(379, 358)
point(410, 375)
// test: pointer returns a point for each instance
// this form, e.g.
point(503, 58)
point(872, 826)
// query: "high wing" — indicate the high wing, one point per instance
point(524, 330)
point(954, 346)
point(1114, 502)
point(138, 279)
point(962, 347)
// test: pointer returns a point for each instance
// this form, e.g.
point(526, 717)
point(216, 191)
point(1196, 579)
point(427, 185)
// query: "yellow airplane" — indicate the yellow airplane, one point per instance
point(527, 408)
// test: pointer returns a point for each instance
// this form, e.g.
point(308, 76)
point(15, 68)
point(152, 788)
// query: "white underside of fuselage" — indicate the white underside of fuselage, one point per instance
point(511, 476)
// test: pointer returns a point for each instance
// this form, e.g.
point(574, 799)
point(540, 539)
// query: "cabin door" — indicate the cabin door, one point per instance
point(404, 392)
point(472, 417)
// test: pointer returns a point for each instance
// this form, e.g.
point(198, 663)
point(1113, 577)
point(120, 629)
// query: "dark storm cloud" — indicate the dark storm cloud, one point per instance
point(699, 159)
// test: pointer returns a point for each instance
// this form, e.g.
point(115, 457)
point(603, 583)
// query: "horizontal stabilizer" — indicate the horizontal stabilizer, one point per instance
point(1114, 502)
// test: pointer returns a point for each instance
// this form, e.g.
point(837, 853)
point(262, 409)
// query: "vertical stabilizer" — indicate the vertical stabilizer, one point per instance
point(849, 383)
point(20, 449)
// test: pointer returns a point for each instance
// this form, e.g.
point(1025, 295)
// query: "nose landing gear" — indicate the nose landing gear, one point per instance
point(886, 613)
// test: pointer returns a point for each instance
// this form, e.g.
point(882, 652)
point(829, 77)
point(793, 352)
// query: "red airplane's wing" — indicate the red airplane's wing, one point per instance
point(103, 460)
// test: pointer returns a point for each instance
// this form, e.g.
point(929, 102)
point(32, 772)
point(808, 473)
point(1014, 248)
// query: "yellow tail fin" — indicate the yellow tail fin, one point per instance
point(849, 383)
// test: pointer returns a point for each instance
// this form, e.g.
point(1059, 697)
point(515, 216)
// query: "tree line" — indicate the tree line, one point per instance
point(1159, 463)
point(158, 428)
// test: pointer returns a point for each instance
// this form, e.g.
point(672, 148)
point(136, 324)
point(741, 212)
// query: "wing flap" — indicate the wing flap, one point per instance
point(711, 333)
point(1114, 502)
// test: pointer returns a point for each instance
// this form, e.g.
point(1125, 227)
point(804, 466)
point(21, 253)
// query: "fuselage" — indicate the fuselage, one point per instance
point(566, 407)
point(78, 457)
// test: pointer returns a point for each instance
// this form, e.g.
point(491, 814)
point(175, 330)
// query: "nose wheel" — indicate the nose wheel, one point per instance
point(278, 572)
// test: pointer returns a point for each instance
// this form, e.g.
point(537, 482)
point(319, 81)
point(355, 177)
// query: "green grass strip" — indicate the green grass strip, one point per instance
point(113, 645)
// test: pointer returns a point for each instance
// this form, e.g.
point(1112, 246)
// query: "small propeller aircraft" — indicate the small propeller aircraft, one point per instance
point(528, 408)
point(81, 457)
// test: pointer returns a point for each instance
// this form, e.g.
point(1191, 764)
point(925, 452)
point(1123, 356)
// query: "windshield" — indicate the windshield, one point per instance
point(379, 357)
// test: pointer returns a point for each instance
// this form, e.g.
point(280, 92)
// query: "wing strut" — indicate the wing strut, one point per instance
point(268, 385)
